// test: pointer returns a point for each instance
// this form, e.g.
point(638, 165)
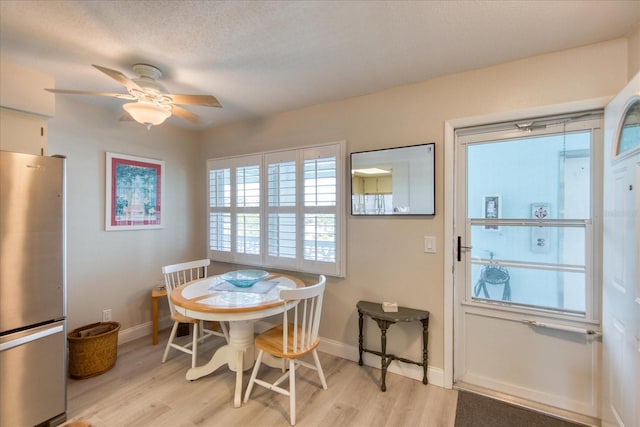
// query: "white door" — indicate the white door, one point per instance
point(526, 289)
point(621, 260)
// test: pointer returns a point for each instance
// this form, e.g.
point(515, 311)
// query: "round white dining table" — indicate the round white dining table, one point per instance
point(213, 299)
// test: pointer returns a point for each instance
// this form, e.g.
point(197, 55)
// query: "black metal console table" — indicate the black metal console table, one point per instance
point(384, 319)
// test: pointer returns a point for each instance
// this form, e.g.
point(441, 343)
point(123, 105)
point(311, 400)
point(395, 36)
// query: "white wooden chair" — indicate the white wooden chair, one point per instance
point(297, 336)
point(175, 276)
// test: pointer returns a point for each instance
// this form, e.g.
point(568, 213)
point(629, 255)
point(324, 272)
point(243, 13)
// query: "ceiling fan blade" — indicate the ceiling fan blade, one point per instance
point(204, 100)
point(120, 78)
point(84, 92)
point(185, 114)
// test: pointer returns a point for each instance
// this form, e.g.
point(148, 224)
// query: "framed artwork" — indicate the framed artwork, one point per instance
point(134, 193)
point(491, 209)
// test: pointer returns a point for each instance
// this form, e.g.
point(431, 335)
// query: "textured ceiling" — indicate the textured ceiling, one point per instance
point(263, 57)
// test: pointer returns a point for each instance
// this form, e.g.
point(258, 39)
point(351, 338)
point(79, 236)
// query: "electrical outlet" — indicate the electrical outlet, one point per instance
point(106, 315)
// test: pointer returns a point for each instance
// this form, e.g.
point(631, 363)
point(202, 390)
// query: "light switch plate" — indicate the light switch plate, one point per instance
point(430, 244)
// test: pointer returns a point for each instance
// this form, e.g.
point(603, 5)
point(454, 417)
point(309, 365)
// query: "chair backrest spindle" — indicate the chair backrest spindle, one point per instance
point(177, 275)
point(305, 317)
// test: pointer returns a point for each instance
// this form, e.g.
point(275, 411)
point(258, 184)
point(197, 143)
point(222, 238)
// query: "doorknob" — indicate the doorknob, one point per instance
point(460, 248)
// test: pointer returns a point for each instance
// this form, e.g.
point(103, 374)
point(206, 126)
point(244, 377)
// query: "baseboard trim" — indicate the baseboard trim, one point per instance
point(349, 352)
point(142, 330)
point(329, 346)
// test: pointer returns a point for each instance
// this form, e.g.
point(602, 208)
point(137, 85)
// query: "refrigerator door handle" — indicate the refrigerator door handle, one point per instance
point(31, 337)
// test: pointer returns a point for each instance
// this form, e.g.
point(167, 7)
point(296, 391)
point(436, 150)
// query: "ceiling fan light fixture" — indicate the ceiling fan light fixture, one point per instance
point(147, 114)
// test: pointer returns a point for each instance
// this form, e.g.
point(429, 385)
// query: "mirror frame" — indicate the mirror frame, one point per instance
point(387, 156)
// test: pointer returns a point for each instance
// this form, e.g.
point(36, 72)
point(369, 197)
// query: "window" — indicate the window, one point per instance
point(630, 129)
point(531, 208)
point(281, 209)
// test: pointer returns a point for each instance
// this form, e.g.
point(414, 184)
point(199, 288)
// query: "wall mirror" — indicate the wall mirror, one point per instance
point(394, 181)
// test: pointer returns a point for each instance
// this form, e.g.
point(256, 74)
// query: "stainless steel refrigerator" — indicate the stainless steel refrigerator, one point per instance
point(32, 290)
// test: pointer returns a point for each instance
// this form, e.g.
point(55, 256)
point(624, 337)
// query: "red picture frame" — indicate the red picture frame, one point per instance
point(134, 192)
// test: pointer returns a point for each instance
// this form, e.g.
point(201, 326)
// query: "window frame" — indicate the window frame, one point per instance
point(593, 121)
point(264, 159)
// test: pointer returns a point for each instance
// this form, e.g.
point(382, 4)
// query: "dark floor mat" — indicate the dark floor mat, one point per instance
point(474, 410)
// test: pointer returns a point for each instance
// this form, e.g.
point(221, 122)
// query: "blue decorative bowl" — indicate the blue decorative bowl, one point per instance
point(244, 278)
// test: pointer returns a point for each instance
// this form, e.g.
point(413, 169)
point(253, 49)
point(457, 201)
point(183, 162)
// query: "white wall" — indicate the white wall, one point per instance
point(117, 269)
point(634, 53)
point(22, 90)
point(385, 258)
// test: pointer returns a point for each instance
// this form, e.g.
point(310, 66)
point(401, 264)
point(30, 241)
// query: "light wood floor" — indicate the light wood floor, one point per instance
point(141, 391)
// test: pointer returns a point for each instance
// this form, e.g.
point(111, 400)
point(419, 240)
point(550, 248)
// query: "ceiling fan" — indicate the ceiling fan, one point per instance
point(152, 104)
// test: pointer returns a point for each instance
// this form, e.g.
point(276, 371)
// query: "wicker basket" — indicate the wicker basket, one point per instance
point(93, 349)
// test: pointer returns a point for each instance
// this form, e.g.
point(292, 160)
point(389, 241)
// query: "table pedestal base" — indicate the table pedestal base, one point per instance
point(238, 355)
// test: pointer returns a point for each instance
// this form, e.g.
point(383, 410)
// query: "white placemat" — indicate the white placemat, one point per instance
point(262, 287)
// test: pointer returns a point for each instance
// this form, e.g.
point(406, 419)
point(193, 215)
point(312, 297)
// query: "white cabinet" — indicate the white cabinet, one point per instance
point(378, 185)
point(22, 132)
point(24, 109)
point(357, 185)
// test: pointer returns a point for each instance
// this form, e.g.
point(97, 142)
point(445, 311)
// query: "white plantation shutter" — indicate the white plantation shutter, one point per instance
point(220, 231)
point(234, 209)
point(248, 209)
point(320, 209)
point(320, 237)
point(282, 202)
point(286, 210)
point(320, 182)
point(219, 209)
point(282, 235)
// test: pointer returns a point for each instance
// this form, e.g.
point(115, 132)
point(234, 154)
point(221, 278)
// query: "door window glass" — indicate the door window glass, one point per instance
point(630, 130)
point(528, 174)
point(529, 204)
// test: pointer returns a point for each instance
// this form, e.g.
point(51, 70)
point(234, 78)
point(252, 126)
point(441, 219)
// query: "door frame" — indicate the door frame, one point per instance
point(450, 126)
